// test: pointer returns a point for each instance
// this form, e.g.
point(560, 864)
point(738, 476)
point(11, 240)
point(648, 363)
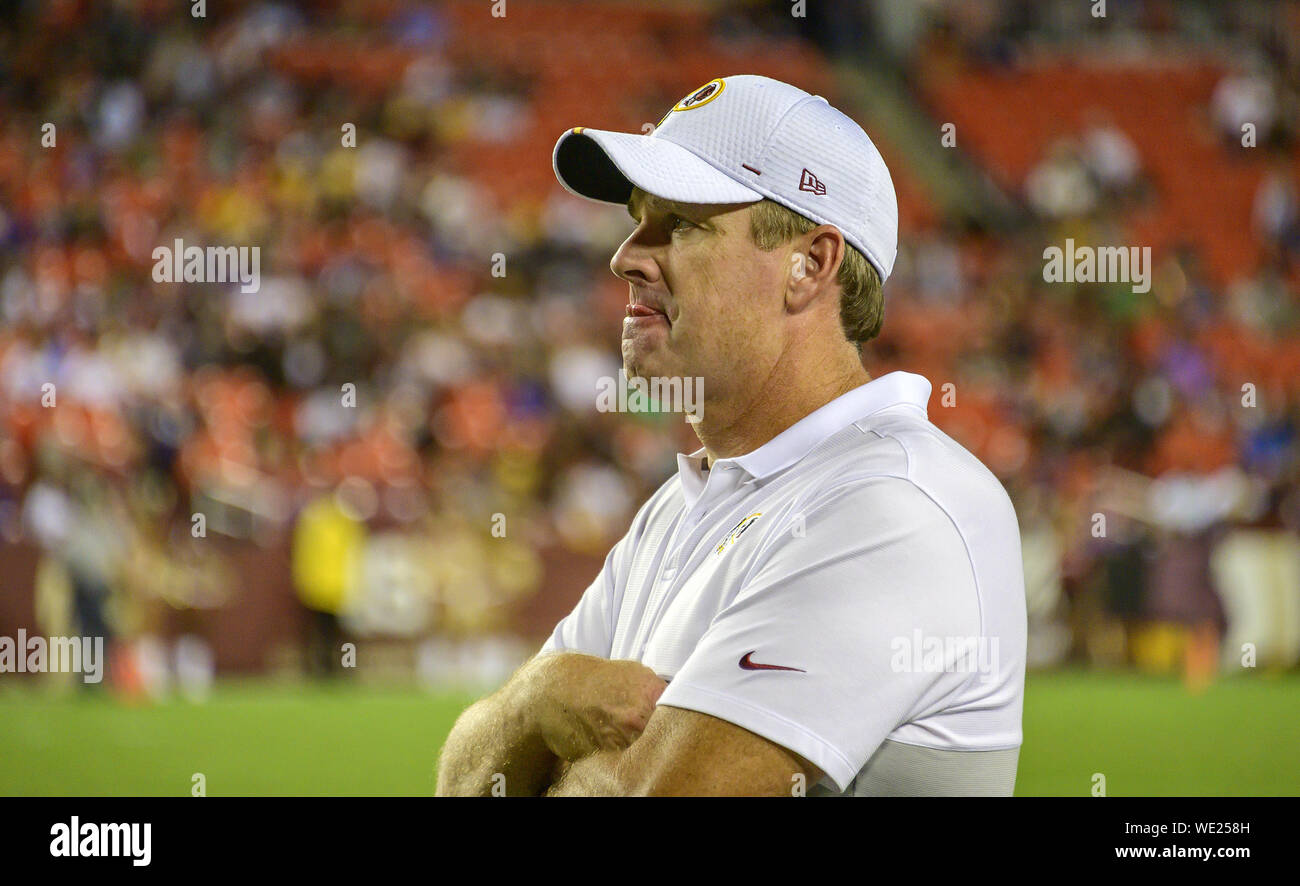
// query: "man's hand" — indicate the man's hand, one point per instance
point(582, 704)
point(556, 709)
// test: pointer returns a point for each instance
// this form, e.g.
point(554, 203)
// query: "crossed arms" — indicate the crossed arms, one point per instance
point(568, 724)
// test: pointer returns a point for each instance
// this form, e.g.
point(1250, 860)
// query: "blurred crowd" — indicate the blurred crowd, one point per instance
point(406, 408)
point(1148, 438)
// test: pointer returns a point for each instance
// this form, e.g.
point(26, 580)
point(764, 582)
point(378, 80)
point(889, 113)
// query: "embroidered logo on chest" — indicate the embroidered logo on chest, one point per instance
point(737, 531)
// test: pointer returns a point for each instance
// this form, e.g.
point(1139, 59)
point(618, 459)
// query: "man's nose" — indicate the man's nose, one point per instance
point(634, 261)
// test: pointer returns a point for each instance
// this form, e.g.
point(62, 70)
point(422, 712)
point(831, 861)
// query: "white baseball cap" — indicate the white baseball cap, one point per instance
point(737, 140)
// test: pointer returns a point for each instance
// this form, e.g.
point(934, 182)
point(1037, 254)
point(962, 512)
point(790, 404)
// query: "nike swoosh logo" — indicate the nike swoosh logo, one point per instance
point(749, 665)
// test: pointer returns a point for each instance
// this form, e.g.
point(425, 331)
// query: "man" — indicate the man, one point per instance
point(829, 594)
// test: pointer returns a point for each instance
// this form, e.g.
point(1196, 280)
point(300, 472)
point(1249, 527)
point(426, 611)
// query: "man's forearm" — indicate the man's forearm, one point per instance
point(561, 706)
point(593, 776)
point(494, 739)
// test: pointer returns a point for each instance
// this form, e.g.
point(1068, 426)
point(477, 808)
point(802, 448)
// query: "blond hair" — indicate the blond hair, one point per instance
point(862, 303)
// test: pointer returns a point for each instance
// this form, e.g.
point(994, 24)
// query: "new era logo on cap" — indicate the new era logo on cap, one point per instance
point(740, 139)
point(809, 182)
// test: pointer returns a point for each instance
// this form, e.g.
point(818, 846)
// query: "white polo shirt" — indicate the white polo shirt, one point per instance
point(851, 590)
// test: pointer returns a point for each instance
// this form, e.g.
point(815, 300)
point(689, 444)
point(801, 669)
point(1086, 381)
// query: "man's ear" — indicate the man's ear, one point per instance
point(814, 264)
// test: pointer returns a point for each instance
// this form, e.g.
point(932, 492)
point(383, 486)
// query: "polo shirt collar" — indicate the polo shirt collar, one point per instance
point(798, 440)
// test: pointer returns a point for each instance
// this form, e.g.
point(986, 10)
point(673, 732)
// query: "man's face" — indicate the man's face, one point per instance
point(704, 301)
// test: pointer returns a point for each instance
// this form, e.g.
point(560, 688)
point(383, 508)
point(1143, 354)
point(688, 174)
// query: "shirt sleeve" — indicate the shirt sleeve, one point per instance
point(815, 652)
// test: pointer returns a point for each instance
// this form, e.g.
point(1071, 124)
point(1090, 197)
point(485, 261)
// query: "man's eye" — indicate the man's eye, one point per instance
point(679, 223)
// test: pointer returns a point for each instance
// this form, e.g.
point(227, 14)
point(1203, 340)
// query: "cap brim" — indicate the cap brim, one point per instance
point(604, 166)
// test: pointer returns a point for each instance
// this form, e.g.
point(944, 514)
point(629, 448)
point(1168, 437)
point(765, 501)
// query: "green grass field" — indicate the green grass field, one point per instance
point(1147, 735)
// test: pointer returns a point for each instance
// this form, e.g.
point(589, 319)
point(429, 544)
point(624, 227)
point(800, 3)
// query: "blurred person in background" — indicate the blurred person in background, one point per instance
point(1245, 97)
point(1111, 158)
point(1060, 185)
point(1257, 568)
point(329, 539)
point(1048, 639)
point(1277, 210)
point(77, 518)
point(1189, 512)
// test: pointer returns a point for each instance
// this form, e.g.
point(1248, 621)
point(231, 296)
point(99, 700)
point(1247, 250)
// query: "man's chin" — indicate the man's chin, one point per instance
point(638, 371)
point(643, 366)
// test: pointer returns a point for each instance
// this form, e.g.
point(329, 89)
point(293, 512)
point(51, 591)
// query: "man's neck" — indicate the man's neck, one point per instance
point(731, 429)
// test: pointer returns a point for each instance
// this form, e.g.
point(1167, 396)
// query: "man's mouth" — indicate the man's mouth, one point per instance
point(641, 314)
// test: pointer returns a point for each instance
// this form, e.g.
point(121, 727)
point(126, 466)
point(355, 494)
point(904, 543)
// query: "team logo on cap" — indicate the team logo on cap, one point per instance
point(702, 96)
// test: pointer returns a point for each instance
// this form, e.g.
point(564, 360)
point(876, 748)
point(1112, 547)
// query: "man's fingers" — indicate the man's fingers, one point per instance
point(605, 707)
point(657, 689)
